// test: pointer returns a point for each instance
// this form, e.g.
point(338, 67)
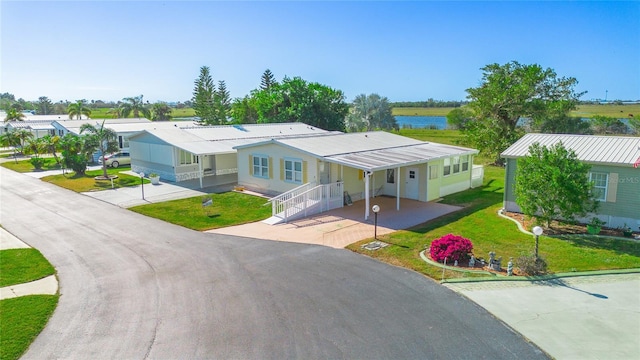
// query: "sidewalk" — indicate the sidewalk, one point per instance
point(45, 286)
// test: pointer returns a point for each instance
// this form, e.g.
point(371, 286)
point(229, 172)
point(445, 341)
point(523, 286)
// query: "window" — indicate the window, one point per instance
point(123, 142)
point(433, 172)
point(456, 164)
point(412, 174)
point(391, 176)
point(293, 171)
point(447, 167)
point(187, 158)
point(465, 162)
point(600, 181)
point(260, 166)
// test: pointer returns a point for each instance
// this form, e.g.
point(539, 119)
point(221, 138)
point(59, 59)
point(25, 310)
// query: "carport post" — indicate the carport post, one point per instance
point(398, 189)
point(366, 195)
point(200, 167)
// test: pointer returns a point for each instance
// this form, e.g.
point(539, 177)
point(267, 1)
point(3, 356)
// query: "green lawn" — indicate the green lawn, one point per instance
point(23, 166)
point(19, 266)
point(230, 208)
point(611, 110)
point(103, 113)
point(479, 222)
point(80, 183)
point(21, 320)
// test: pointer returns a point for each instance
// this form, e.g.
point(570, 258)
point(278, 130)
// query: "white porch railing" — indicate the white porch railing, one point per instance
point(299, 203)
point(477, 175)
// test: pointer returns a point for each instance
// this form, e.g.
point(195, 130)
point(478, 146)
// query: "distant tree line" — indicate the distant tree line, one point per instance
point(430, 103)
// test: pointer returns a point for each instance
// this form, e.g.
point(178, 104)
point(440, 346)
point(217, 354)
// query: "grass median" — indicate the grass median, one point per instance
point(19, 266)
point(226, 209)
point(87, 182)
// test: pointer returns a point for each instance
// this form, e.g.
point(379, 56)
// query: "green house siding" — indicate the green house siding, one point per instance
point(622, 203)
point(623, 191)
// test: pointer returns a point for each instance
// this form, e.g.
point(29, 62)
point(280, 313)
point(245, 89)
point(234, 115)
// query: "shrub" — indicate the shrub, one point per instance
point(37, 162)
point(530, 266)
point(452, 247)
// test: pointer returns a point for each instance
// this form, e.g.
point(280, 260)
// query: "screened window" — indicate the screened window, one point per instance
point(391, 176)
point(293, 171)
point(447, 167)
point(260, 166)
point(433, 172)
point(465, 162)
point(600, 181)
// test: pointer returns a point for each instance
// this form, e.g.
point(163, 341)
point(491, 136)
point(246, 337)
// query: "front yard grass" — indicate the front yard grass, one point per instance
point(479, 222)
point(227, 209)
point(24, 166)
point(19, 266)
point(87, 182)
point(21, 320)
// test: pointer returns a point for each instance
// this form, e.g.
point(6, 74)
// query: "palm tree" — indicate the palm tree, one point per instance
point(52, 145)
point(106, 140)
point(14, 114)
point(78, 109)
point(23, 135)
point(161, 112)
point(36, 146)
point(9, 139)
point(136, 106)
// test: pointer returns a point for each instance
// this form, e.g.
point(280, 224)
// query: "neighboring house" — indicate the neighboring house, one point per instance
point(356, 166)
point(38, 128)
point(617, 182)
point(203, 153)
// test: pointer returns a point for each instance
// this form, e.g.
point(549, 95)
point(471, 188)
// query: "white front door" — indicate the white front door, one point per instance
point(325, 172)
point(411, 189)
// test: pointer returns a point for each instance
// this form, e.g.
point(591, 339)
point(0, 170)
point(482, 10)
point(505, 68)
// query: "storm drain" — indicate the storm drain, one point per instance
point(375, 245)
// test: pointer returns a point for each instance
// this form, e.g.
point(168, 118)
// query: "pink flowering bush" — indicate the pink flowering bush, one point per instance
point(452, 247)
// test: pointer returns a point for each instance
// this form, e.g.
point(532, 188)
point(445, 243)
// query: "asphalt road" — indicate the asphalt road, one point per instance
point(133, 287)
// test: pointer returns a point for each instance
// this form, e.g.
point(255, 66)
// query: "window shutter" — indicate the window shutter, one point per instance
point(270, 165)
point(250, 164)
point(360, 174)
point(612, 187)
point(304, 172)
point(282, 169)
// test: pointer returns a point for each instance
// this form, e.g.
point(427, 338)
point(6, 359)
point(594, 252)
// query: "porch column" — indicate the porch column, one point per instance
point(200, 168)
point(398, 189)
point(366, 196)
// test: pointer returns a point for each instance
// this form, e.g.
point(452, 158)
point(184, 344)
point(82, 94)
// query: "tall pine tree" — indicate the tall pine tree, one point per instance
point(204, 94)
point(267, 80)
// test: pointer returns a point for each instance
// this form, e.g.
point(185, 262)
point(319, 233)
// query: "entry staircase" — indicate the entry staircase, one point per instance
point(305, 200)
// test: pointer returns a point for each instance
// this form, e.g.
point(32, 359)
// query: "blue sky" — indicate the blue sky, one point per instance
point(406, 51)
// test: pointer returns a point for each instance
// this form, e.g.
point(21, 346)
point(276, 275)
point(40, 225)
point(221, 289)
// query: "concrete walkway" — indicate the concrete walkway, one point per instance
point(45, 286)
point(341, 227)
point(586, 317)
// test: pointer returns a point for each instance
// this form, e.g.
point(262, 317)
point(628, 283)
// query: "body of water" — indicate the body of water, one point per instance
point(420, 122)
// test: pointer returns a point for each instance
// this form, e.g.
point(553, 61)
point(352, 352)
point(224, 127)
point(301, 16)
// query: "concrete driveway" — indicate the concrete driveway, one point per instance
point(341, 227)
point(582, 318)
point(134, 287)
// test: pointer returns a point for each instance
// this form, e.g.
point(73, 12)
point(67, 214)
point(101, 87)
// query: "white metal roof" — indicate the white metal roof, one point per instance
point(224, 138)
point(34, 125)
point(588, 148)
point(371, 150)
point(74, 125)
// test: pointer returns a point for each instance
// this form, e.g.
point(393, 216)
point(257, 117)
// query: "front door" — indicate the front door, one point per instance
point(412, 182)
point(325, 172)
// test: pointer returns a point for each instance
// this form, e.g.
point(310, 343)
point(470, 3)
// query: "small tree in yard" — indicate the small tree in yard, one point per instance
point(551, 183)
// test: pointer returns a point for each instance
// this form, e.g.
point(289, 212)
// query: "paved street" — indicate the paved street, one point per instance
point(133, 287)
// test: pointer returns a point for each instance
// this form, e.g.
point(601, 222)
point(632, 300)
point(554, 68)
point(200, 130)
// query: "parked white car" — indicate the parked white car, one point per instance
point(116, 159)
